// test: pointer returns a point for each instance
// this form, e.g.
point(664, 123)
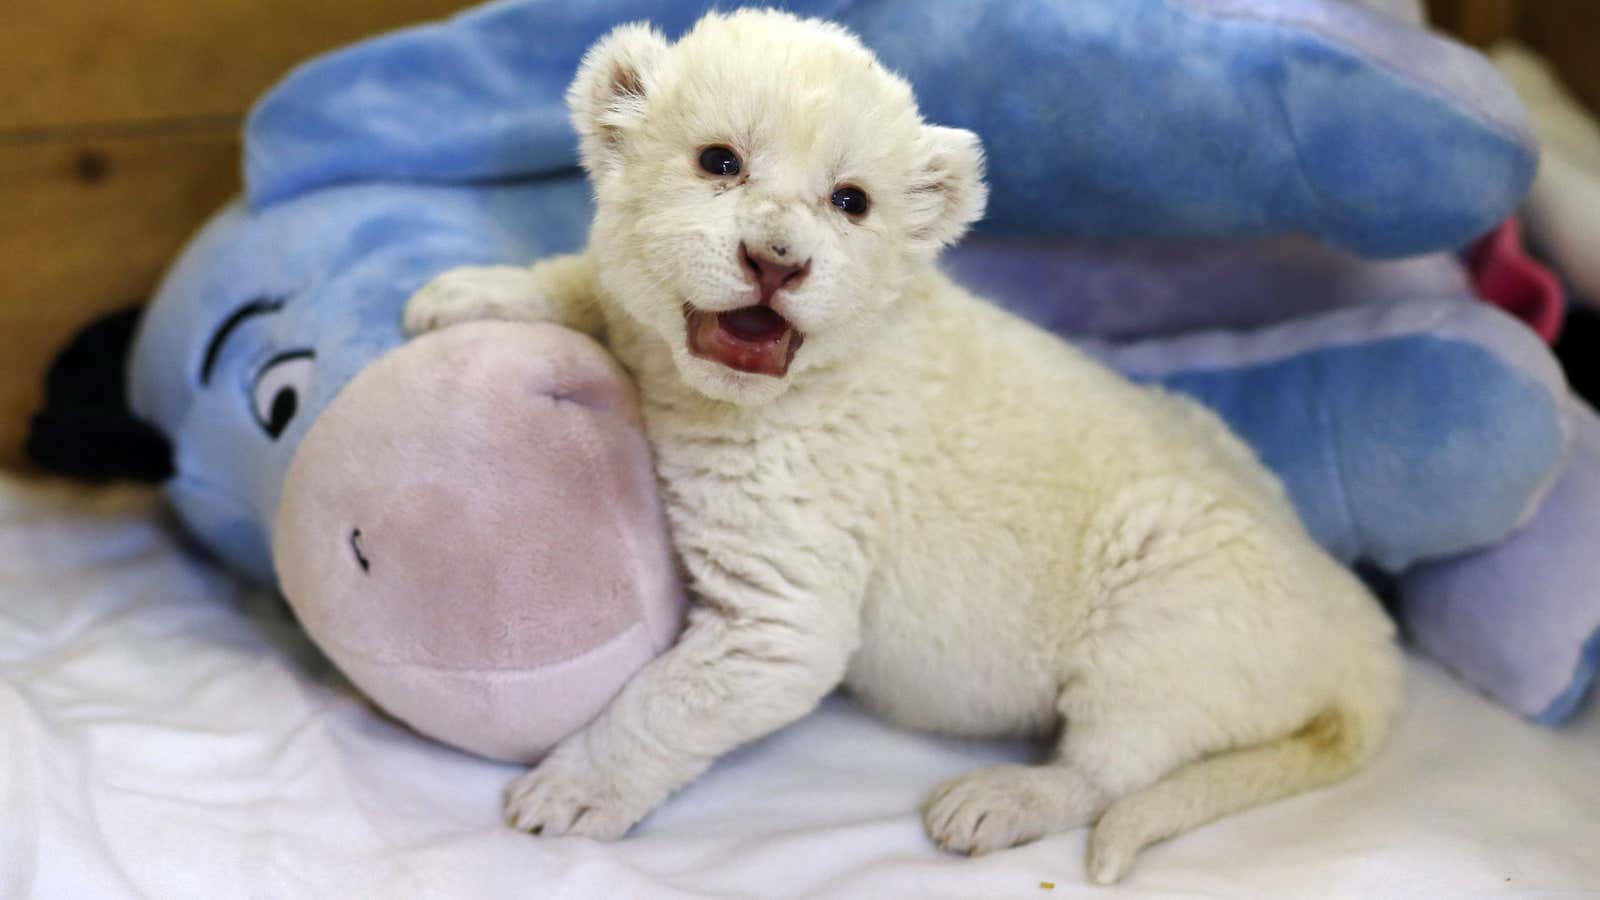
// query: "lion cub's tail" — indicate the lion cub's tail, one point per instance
point(1330, 747)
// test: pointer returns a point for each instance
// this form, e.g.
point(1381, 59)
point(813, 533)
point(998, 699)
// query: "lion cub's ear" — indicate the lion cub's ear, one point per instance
point(947, 192)
point(607, 98)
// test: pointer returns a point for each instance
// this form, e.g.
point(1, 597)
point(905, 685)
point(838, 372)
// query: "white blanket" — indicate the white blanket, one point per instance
point(166, 733)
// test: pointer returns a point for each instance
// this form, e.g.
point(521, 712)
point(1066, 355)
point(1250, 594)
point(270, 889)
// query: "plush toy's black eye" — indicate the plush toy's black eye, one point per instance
point(719, 161)
point(852, 200)
point(279, 389)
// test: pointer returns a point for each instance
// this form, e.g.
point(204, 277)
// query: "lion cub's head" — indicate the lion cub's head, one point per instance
point(764, 188)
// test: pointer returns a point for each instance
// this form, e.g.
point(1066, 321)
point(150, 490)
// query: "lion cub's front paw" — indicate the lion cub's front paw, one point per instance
point(471, 293)
point(569, 796)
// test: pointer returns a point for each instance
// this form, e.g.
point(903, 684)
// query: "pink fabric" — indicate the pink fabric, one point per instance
point(1505, 275)
point(471, 532)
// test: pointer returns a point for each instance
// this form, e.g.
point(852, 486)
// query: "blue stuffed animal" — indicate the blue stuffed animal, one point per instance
point(1252, 201)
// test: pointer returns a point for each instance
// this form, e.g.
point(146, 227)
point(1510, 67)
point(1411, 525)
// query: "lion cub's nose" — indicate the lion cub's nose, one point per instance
point(769, 275)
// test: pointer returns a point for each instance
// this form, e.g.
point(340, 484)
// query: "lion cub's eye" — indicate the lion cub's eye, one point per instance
point(719, 161)
point(852, 200)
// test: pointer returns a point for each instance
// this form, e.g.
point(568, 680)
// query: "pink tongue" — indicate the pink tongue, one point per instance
point(753, 323)
point(753, 339)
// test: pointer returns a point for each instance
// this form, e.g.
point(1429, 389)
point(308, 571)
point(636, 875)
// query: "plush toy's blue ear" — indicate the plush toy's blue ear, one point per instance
point(476, 97)
point(1113, 118)
point(1218, 118)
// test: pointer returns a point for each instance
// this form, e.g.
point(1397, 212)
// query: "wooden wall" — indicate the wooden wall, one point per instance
point(119, 122)
point(118, 136)
point(1566, 31)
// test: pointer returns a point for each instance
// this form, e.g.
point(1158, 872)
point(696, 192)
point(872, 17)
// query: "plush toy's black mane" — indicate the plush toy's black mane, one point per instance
point(1579, 350)
point(86, 429)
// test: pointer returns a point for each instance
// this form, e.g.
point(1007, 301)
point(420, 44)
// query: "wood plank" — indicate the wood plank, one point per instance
point(1481, 23)
point(1568, 33)
point(65, 64)
point(87, 227)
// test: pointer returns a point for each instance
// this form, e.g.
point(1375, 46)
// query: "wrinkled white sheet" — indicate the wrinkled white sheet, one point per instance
point(166, 734)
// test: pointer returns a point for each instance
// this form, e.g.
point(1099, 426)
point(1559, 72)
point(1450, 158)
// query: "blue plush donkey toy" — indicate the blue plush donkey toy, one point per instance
point(1241, 199)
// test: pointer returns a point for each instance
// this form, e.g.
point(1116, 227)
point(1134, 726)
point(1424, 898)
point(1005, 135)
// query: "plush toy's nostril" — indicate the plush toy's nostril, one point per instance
point(355, 548)
point(769, 275)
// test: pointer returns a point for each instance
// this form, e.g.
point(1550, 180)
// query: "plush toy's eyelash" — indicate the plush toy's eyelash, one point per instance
point(257, 307)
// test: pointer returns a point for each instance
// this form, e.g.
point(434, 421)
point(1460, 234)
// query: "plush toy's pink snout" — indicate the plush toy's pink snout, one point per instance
point(471, 532)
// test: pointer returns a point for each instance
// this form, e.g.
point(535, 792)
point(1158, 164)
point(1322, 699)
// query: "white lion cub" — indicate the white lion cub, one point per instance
point(877, 479)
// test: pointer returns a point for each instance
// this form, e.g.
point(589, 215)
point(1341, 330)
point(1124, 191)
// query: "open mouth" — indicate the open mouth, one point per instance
point(755, 339)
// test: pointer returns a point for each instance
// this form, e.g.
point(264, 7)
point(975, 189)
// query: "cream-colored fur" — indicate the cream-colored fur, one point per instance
point(972, 526)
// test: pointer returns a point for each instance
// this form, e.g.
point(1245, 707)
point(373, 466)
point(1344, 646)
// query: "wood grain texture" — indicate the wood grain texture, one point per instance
point(1568, 33)
point(118, 126)
point(1481, 23)
point(87, 227)
point(67, 64)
